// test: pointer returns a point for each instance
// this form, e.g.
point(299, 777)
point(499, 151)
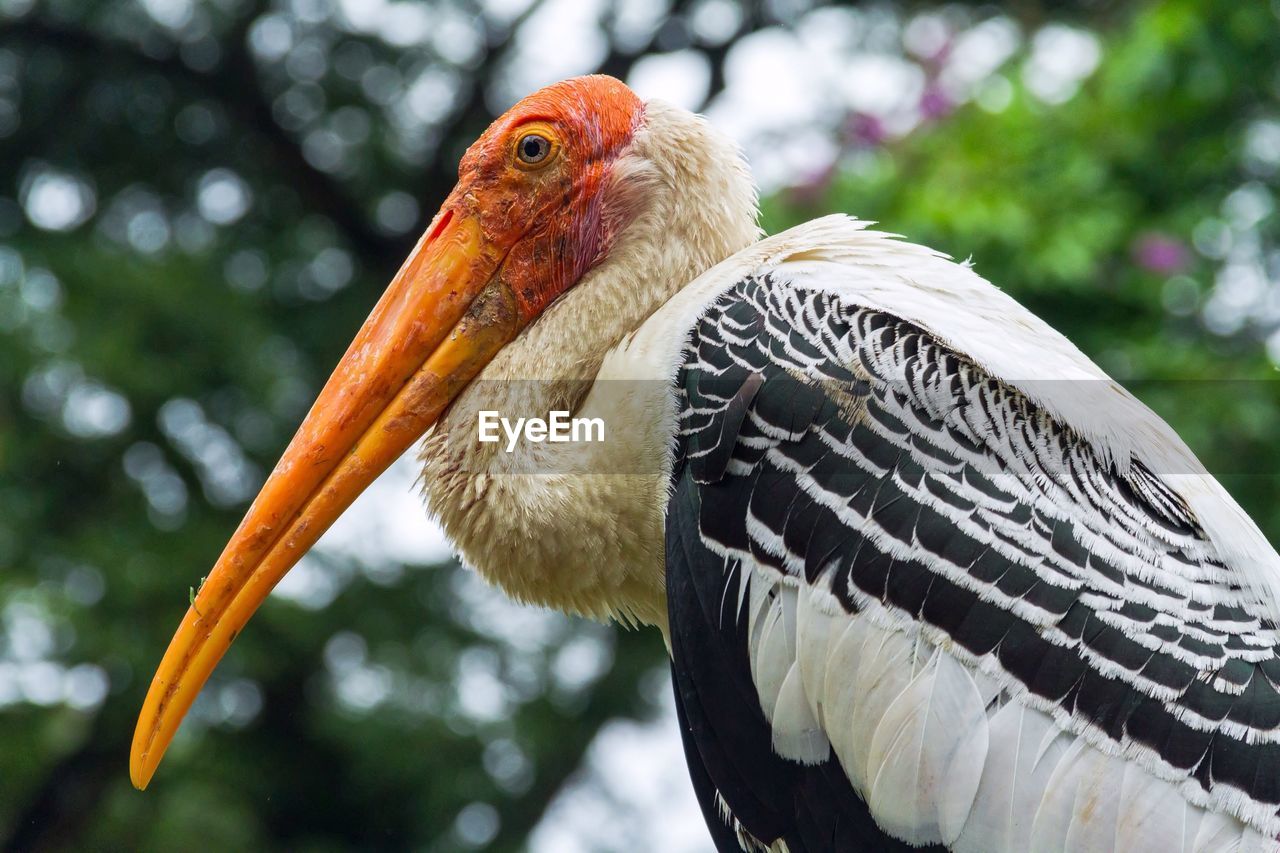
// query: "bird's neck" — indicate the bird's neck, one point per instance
point(579, 526)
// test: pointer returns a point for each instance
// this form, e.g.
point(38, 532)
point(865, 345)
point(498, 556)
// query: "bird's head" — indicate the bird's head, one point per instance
point(535, 204)
point(542, 198)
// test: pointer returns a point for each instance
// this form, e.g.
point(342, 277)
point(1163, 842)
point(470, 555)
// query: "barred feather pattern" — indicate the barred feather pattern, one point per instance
point(1005, 642)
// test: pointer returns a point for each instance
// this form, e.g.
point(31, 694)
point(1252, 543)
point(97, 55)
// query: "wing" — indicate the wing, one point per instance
point(909, 602)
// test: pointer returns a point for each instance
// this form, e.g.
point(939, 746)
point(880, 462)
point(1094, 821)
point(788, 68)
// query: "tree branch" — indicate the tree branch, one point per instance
point(234, 85)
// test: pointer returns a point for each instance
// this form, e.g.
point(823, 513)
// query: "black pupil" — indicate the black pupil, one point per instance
point(533, 147)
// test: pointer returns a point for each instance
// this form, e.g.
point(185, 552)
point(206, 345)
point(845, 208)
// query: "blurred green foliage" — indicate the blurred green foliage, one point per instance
point(1127, 217)
point(247, 209)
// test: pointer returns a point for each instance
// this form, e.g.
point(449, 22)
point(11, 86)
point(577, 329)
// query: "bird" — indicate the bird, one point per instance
point(926, 576)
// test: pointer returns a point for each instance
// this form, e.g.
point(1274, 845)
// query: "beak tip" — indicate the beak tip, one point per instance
point(138, 775)
point(141, 769)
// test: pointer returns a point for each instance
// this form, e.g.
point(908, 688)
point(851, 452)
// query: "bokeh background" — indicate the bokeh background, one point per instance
point(200, 200)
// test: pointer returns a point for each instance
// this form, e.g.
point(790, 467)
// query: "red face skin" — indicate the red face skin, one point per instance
point(550, 213)
point(511, 238)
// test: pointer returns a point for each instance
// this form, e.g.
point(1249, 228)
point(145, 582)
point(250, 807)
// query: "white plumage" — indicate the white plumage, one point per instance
point(879, 271)
point(896, 704)
point(940, 762)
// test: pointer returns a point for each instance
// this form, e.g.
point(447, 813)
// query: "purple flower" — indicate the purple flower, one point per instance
point(865, 130)
point(1160, 253)
point(935, 104)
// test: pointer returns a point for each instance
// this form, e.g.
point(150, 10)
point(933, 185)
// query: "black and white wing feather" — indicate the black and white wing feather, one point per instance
point(911, 601)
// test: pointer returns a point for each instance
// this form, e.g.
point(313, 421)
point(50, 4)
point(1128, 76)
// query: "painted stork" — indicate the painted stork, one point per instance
point(927, 576)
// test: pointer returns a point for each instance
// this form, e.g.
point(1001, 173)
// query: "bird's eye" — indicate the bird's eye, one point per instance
point(533, 148)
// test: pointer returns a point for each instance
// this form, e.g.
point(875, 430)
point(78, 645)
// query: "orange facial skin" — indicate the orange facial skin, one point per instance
point(511, 238)
point(551, 215)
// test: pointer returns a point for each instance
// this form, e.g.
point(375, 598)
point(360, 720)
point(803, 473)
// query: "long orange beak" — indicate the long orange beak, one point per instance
point(442, 319)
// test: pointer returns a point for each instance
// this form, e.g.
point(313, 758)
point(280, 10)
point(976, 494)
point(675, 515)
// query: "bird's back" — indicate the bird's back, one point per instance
point(915, 598)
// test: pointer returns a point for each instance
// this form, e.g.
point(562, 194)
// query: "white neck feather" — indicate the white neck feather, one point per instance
point(591, 542)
